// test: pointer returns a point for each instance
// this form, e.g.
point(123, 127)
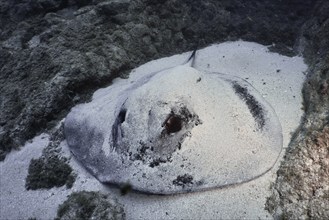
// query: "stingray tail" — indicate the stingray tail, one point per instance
point(190, 61)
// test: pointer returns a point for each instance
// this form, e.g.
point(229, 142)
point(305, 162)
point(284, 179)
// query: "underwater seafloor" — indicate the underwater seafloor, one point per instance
point(54, 54)
point(219, 157)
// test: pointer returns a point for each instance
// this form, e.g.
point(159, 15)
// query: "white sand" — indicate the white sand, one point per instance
point(282, 89)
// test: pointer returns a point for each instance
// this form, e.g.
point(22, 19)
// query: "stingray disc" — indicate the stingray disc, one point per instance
point(176, 131)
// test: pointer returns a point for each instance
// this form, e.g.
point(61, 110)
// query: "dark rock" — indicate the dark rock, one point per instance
point(301, 189)
point(49, 5)
point(113, 7)
point(90, 205)
point(51, 169)
point(81, 3)
point(45, 174)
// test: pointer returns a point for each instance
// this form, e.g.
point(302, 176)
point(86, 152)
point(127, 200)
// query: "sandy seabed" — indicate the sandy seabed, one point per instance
point(279, 80)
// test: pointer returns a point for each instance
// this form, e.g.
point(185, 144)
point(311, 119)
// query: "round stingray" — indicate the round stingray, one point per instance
point(175, 131)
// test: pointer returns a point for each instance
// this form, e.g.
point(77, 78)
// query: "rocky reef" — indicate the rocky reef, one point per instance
point(301, 189)
point(54, 53)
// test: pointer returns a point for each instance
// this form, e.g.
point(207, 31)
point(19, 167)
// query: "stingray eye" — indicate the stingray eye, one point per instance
point(173, 124)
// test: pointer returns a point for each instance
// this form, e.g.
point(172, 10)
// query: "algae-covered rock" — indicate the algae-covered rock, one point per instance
point(90, 205)
point(51, 169)
point(54, 53)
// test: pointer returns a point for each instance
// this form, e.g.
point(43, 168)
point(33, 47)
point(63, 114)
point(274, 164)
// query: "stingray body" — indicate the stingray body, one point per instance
point(177, 130)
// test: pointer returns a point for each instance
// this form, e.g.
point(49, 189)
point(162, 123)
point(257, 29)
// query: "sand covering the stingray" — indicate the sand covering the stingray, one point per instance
point(227, 132)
